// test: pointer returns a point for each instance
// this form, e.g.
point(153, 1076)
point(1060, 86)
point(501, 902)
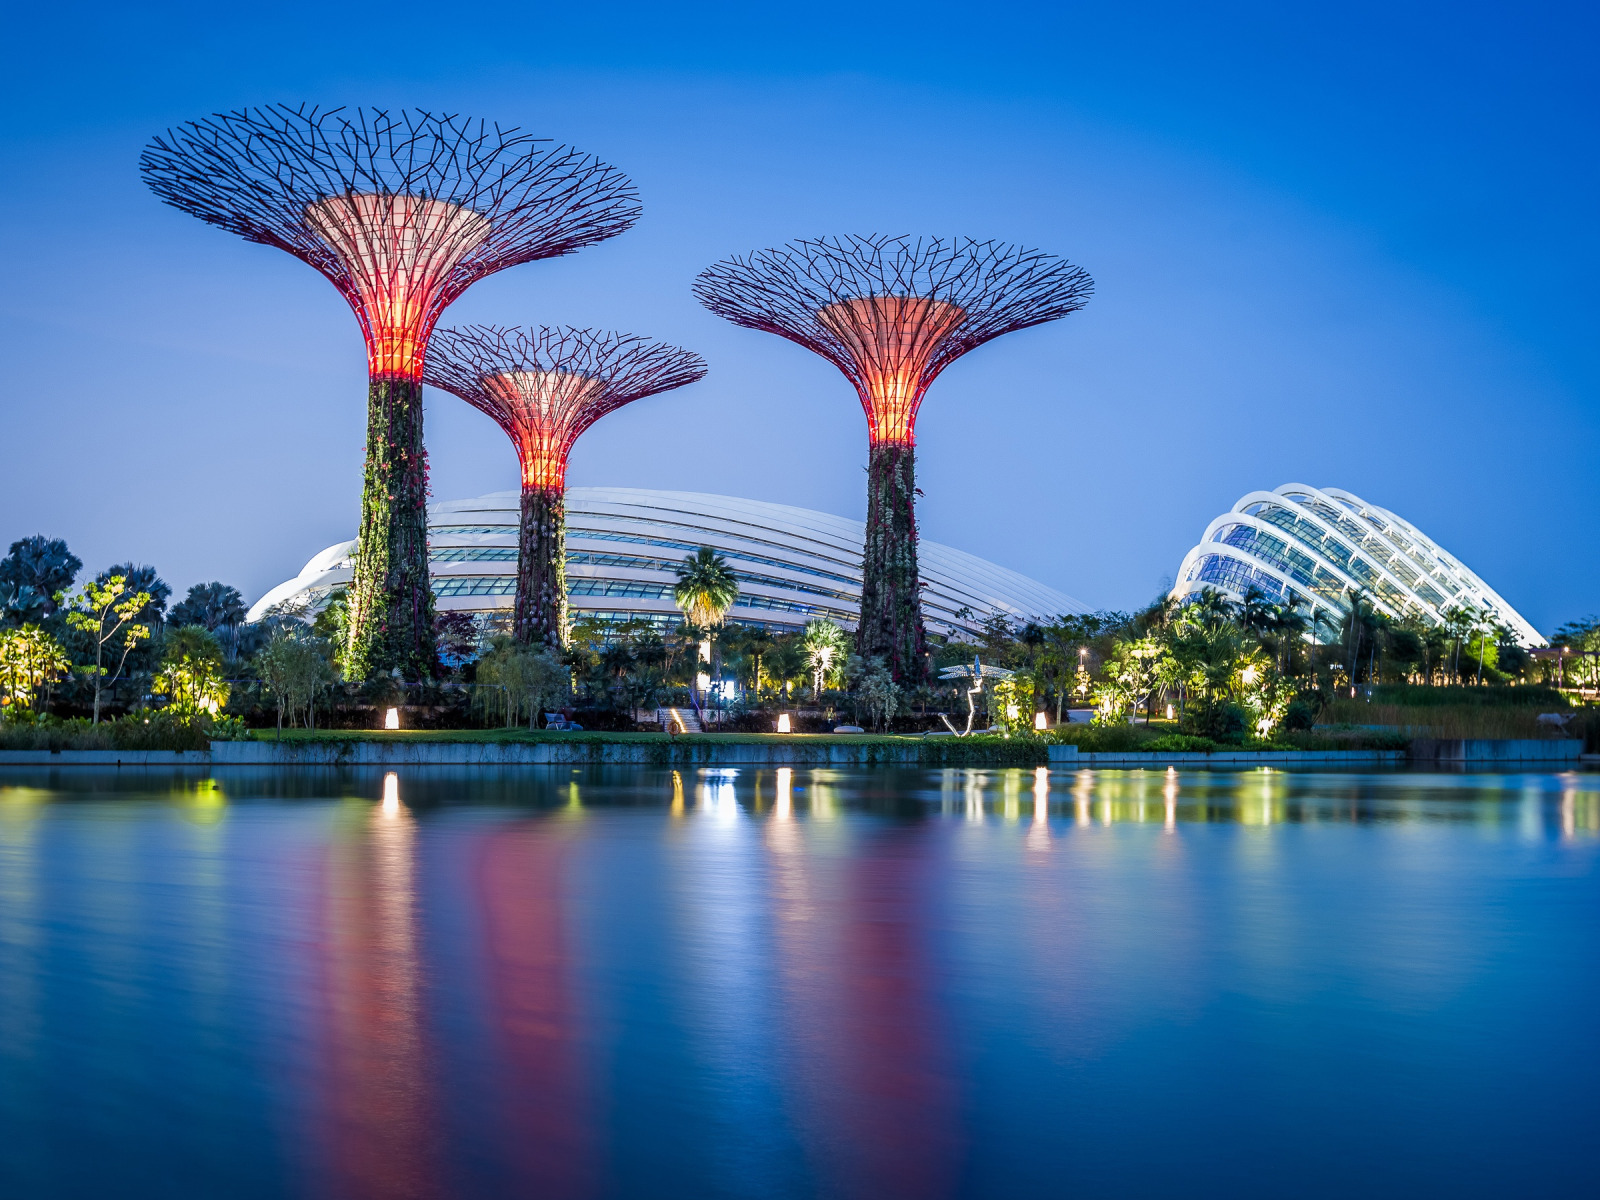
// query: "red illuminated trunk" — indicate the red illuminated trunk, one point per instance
point(891, 625)
point(391, 595)
point(541, 612)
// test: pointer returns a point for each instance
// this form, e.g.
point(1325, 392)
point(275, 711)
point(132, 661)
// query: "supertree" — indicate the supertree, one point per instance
point(544, 387)
point(891, 313)
point(402, 211)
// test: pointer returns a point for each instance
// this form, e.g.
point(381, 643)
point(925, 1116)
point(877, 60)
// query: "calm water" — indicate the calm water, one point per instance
point(763, 984)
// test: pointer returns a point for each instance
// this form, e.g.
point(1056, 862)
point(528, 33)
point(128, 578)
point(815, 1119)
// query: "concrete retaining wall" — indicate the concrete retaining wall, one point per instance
point(717, 753)
point(503, 754)
point(1496, 750)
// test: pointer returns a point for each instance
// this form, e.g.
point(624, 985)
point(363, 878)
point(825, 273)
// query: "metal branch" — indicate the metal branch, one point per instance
point(545, 386)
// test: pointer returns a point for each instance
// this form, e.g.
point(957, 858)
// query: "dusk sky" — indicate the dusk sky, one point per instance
point(1350, 246)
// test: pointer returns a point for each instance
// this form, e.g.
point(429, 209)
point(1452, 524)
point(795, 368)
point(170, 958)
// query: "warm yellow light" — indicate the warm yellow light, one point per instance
point(1249, 674)
point(1169, 712)
point(783, 723)
point(1039, 721)
point(1012, 712)
point(783, 809)
point(391, 720)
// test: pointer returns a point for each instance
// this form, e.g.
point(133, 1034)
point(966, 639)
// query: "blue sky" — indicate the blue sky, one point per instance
point(1349, 245)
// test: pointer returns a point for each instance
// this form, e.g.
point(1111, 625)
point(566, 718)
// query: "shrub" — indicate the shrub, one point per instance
point(1174, 743)
point(1300, 717)
point(1221, 722)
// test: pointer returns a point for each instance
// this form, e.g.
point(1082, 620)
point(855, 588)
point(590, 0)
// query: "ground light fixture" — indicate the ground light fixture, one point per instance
point(391, 719)
point(544, 387)
point(402, 211)
point(783, 723)
point(892, 313)
point(1040, 721)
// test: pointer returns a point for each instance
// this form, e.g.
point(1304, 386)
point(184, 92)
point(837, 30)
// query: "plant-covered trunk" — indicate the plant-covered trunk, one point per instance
point(891, 601)
point(541, 612)
point(391, 595)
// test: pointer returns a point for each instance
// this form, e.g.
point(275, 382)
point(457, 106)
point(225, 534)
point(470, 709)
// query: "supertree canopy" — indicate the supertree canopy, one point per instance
point(544, 387)
point(402, 211)
point(891, 313)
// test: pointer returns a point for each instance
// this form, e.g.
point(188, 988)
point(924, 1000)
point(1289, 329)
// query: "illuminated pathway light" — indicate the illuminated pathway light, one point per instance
point(544, 387)
point(892, 313)
point(402, 211)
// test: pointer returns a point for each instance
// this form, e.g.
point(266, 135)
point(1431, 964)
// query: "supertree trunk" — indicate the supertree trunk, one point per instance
point(391, 596)
point(541, 614)
point(891, 602)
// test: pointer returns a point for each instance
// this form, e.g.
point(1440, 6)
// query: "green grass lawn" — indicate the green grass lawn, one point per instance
point(526, 735)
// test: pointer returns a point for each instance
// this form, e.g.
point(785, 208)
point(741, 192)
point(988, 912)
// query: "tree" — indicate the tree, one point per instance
point(706, 588)
point(295, 665)
point(138, 578)
point(34, 575)
point(191, 674)
point(30, 660)
point(530, 679)
point(457, 636)
point(210, 606)
point(108, 612)
point(1131, 675)
point(824, 644)
point(876, 688)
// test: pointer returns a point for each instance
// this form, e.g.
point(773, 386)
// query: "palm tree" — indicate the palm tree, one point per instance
point(706, 588)
point(824, 642)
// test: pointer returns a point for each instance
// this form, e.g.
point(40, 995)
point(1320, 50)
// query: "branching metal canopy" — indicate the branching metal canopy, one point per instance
point(545, 386)
point(893, 312)
point(402, 210)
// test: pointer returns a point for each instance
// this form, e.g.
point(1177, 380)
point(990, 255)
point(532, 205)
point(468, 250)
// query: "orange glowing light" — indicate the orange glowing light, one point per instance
point(543, 412)
point(891, 340)
point(399, 251)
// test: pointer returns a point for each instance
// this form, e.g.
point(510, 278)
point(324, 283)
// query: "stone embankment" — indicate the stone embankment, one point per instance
point(801, 752)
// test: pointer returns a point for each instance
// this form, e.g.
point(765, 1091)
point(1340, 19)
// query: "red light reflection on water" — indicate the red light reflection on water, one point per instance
point(546, 1107)
point(877, 1102)
point(371, 1121)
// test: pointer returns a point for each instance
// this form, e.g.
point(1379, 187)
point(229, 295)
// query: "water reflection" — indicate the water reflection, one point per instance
point(543, 1101)
point(796, 982)
point(372, 1113)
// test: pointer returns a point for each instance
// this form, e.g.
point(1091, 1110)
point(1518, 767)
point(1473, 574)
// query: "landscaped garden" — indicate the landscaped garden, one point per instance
point(111, 663)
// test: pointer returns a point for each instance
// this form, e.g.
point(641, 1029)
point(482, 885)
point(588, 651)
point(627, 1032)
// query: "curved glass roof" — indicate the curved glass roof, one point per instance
point(1315, 546)
point(793, 564)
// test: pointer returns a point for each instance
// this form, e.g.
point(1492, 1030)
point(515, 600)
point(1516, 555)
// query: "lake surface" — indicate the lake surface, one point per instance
point(762, 983)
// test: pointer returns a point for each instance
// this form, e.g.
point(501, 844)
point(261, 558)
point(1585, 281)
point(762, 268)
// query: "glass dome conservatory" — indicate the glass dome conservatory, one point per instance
point(1318, 546)
point(623, 544)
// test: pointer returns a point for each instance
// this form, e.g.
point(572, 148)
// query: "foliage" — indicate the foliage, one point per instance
point(30, 661)
point(458, 636)
point(825, 647)
point(191, 674)
point(141, 578)
point(520, 679)
point(1012, 709)
point(876, 689)
point(706, 588)
point(210, 606)
point(108, 613)
point(295, 665)
point(141, 730)
point(1179, 743)
point(33, 577)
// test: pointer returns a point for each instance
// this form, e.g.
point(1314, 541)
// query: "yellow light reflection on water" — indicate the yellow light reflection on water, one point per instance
point(783, 804)
point(391, 795)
